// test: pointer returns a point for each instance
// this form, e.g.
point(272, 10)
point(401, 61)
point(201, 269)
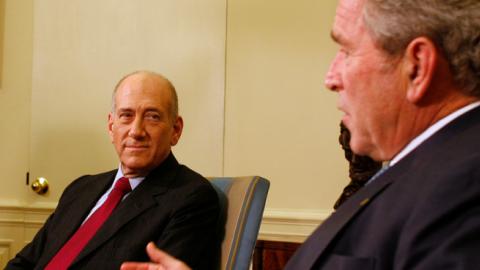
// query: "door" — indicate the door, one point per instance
point(81, 48)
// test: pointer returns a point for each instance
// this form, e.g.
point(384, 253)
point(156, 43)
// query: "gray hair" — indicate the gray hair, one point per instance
point(452, 25)
point(173, 92)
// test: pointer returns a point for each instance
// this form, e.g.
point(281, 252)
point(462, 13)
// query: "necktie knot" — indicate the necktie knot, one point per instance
point(123, 185)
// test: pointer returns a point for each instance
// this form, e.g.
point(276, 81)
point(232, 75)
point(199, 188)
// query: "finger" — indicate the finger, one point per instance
point(139, 266)
point(134, 266)
point(158, 256)
point(164, 260)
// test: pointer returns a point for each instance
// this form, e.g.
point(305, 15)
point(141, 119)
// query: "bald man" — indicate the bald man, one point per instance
point(160, 201)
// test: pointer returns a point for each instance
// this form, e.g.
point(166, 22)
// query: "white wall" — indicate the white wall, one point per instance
point(281, 122)
point(15, 90)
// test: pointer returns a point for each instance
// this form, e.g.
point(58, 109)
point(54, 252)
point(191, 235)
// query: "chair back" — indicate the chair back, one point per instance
point(242, 200)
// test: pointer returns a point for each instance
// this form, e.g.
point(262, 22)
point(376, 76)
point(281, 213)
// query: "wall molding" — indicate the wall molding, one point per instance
point(18, 225)
point(5, 251)
point(28, 216)
point(291, 225)
point(288, 225)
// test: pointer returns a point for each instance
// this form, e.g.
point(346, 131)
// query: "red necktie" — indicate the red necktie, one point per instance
point(87, 230)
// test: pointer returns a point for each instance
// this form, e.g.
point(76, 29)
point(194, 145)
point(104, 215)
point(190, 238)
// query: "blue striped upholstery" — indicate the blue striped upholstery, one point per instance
point(242, 201)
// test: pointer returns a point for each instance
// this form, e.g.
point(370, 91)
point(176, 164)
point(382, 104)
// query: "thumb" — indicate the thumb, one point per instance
point(163, 259)
point(158, 256)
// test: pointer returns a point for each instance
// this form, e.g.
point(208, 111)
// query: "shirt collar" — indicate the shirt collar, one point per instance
point(432, 130)
point(134, 182)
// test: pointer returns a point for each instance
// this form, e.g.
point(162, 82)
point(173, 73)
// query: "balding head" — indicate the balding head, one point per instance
point(157, 80)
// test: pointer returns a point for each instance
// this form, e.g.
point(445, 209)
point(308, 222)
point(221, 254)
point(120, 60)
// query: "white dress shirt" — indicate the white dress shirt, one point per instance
point(134, 182)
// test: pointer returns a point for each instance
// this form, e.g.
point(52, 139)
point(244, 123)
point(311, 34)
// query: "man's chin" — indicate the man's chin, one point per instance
point(135, 168)
point(357, 146)
point(347, 121)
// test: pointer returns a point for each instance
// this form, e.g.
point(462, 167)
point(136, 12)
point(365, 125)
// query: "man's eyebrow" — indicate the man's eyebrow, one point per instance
point(125, 109)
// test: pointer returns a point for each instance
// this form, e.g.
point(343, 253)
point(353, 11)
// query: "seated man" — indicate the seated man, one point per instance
point(105, 219)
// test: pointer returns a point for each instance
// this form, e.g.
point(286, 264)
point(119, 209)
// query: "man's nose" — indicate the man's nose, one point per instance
point(330, 81)
point(333, 79)
point(137, 129)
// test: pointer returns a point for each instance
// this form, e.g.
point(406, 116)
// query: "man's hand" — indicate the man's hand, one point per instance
point(159, 261)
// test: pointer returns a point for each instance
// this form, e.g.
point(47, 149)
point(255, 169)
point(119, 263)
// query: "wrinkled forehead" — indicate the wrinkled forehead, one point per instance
point(348, 19)
point(350, 6)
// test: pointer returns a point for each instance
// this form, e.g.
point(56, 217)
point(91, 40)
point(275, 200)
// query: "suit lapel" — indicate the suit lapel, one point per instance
point(139, 200)
point(316, 244)
point(76, 211)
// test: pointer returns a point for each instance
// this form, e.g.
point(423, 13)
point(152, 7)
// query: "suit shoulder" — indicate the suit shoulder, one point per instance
point(186, 174)
point(86, 180)
point(191, 182)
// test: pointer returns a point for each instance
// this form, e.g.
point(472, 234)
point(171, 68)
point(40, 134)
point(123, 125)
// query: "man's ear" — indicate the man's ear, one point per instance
point(110, 125)
point(177, 130)
point(421, 57)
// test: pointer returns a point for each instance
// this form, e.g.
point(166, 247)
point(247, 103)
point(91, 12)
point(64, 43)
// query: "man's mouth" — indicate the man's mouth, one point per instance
point(134, 147)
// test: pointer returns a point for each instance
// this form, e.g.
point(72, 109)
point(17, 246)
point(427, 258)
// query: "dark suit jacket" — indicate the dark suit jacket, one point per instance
point(422, 213)
point(174, 207)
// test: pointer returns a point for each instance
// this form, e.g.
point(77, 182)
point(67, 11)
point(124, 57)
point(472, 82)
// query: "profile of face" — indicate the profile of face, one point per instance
point(141, 124)
point(367, 82)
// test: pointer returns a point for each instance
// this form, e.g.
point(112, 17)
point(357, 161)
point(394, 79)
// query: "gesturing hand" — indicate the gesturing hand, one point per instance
point(159, 261)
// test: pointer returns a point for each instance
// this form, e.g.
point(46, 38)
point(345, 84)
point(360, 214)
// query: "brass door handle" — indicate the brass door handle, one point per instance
point(40, 185)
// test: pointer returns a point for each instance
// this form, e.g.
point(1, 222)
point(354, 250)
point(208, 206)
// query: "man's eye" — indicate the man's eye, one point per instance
point(125, 115)
point(153, 116)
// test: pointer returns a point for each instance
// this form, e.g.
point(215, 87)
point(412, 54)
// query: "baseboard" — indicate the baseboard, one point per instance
point(290, 225)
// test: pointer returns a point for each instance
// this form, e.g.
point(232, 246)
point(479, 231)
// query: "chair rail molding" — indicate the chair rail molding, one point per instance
point(286, 225)
point(18, 224)
point(291, 225)
point(15, 214)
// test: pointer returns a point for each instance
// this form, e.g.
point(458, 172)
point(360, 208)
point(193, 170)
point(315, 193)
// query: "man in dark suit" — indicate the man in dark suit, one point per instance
point(408, 78)
point(168, 204)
